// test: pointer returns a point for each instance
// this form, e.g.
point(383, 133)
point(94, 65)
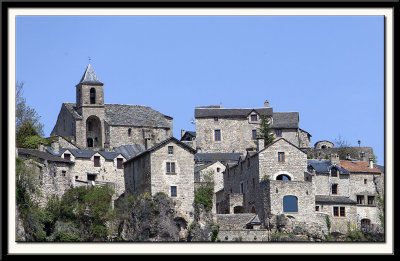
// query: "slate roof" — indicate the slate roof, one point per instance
point(285, 120)
point(90, 77)
point(202, 112)
point(158, 145)
point(323, 199)
point(130, 150)
point(324, 166)
point(210, 157)
point(128, 115)
point(42, 155)
point(87, 154)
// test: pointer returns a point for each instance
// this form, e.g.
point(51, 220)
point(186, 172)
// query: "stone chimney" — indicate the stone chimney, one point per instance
point(182, 133)
point(266, 104)
point(348, 156)
point(260, 144)
point(371, 163)
point(334, 158)
point(55, 146)
point(220, 104)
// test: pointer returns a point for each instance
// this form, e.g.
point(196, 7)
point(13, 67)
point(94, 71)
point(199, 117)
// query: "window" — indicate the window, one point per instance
point(218, 169)
point(253, 117)
point(119, 163)
point(334, 189)
point(67, 156)
point(334, 172)
point(97, 161)
point(339, 211)
point(371, 200)
point(63, 173)
point(283, 177)
point(92, 96)
point(281, 156)
point(215, 118)
point(279, 133)
point(365, 181)
point(241, 188)
point(89, 126)
point(129, 132)
point(91, 177)
point(316, 208)
point(360, 199)
point(289, 204)
point(217, 135)
point(254, 134)
point(170, 167)
point(173, 191)
point(342, 211)
point(170, 150)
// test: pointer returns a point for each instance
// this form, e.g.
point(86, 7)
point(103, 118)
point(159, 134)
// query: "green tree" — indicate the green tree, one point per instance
point(266, 131)
point(27, 121)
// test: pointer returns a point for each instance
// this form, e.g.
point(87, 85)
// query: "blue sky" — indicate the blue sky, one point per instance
point(328, 68)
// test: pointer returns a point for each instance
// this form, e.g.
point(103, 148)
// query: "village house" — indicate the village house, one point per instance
point(167, 167)
point(91, 124)
point(233, 130)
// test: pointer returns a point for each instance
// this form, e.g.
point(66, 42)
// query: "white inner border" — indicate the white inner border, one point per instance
point(203, 248)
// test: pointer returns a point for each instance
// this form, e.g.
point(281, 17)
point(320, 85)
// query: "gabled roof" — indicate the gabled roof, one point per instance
point(159, 145)
point(324, 166)
point(202, 112)
point(128, 115)
point(285, 120)
point(358, 166)
point(42, 155)
point(130, 150)
point(201, 167)
point(323, 199)
point(209, 157)
point(87, 154)
point(90, 77)
point(275, 141)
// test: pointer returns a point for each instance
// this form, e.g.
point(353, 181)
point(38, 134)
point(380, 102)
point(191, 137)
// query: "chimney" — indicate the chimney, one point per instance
point(55, 146)
point(266, 104)
point(220, 104)
point(182, 133)
point(260, 144)
point(371, 163)
point(348, 156)
point(334, 158)
point(41, 147)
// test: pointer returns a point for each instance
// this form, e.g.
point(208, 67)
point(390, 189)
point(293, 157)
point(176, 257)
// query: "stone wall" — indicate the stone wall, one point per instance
point(65, 125)
point(317, 153)
point(183, 179)
point(324, 181)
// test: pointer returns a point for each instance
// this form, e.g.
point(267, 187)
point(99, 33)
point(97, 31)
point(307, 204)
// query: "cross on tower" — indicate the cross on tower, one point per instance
point(90, 59)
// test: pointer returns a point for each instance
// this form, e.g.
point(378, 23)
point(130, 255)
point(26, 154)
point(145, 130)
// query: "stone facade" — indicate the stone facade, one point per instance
point(93, 124)
point(152, 172)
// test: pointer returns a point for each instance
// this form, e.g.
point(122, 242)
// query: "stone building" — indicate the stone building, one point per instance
point(167, 167)
point(92, 167)
point(270, 182)
point(90, 123)
point(228, 130)
point(52, 173)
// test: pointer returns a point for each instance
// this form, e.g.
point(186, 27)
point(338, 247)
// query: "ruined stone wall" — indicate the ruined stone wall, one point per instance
point(183, 179)
point(304, 140)
point(317, 153)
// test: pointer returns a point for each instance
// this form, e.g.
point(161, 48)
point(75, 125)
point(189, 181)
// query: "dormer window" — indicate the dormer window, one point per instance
point(97, 161)
point(253, 117)
point(278, 132)
point(215, 118)
point(334, 172)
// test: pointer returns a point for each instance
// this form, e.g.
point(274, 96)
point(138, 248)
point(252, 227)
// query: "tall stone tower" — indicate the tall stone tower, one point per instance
point(90, 106)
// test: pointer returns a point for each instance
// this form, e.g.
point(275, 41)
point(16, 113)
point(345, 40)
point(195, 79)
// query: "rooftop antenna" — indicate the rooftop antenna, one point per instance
point(192, 121)
point(90, 59)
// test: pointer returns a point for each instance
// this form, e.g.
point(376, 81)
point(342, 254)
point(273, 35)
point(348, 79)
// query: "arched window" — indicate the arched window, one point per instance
point(92, 96)
point(290, 204)
point(282, 177)
point(90, 142)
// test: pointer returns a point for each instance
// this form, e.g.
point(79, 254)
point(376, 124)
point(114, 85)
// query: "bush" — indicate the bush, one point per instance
point(66, 237)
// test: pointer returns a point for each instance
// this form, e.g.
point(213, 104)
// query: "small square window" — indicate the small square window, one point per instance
point(253, 117)
point(67, 156)
point(170, 150)
point(365, 181)
point(371, 200)
point(63, 173)
point(119, 163)
point(316, 208)
point(278, 133)
point(215, 118)
point(97, 161)
point(360, 199)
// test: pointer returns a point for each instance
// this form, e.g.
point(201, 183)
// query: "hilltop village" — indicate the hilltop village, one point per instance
point(259, 191)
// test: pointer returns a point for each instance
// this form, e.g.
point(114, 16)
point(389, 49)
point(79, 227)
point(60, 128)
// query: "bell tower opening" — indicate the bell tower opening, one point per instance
point(93, 132)
point(92, 96)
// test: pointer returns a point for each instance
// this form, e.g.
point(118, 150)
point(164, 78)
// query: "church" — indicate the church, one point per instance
point(89, 123)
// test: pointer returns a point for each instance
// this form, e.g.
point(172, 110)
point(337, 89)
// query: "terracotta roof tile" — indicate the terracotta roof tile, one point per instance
point(358, 166)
